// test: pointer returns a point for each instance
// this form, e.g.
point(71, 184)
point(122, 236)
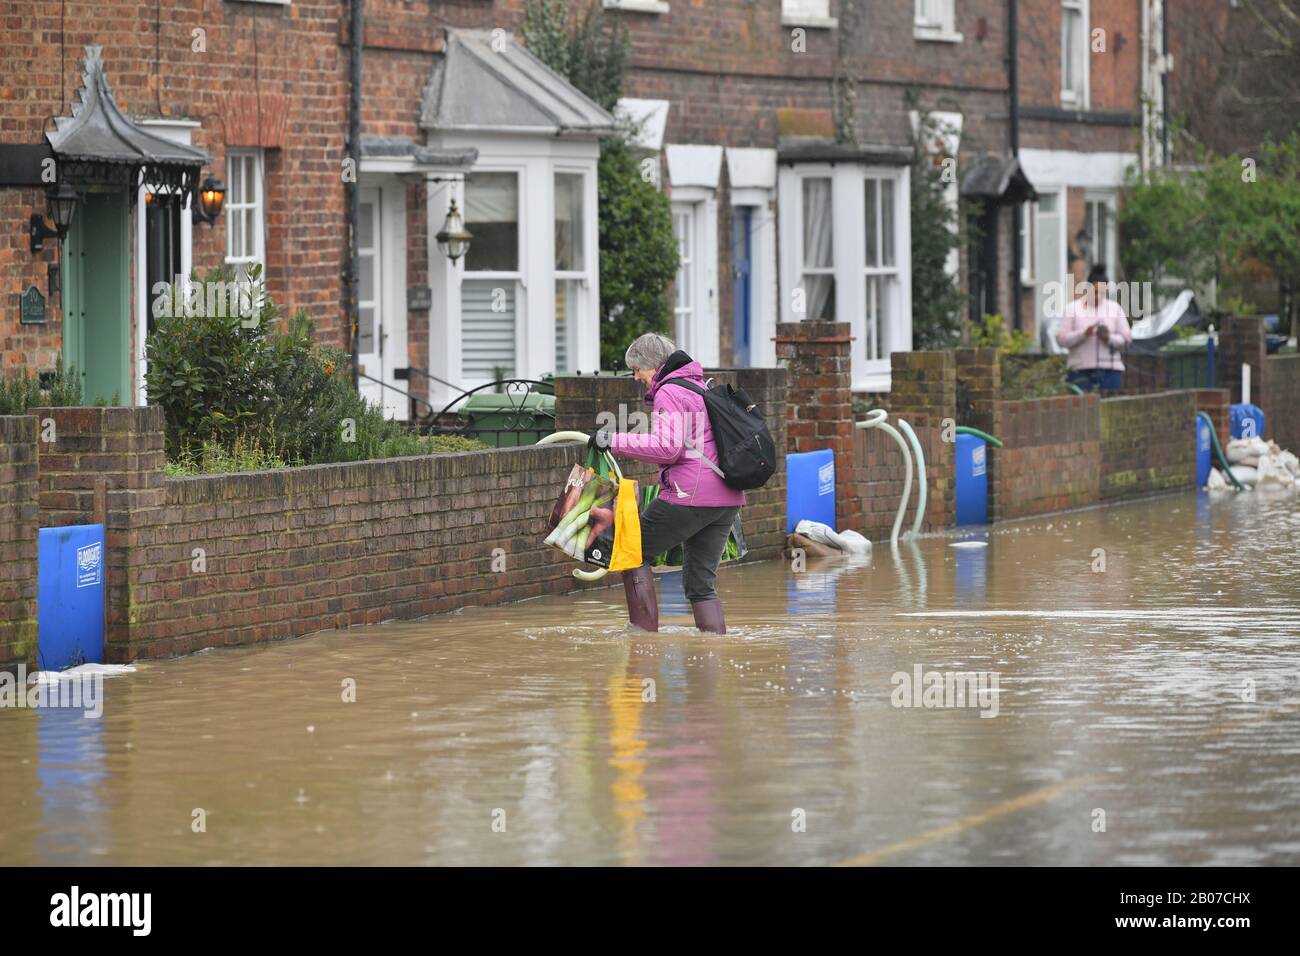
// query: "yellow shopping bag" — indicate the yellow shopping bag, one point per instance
point(627, 528)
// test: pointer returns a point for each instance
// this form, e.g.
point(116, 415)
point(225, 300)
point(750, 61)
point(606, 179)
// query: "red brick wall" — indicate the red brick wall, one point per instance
point(34, 346)
point(18, 524)
point(299, 550)
point(1280, 383)
point(288, 58)
point(1050, 458)
point(1148, 444)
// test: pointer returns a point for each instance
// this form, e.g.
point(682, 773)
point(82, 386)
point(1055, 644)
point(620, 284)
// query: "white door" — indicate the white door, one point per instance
point(1052, 284)
point(381, 326)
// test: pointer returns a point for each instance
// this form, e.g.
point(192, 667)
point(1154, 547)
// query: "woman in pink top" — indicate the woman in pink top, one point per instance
point(1096, 331)
point(695, 508)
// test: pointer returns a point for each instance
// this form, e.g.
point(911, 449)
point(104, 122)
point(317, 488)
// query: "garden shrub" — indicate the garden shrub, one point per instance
point(24, 390)
point(255, 391)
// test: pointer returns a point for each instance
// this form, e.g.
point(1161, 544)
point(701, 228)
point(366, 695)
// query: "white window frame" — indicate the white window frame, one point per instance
point(936, 20)
point(1108, 198)
point(583, 306)
point(518, 277)
point(848, 184)
point(636, 6)
point(808, 13)
point(1077, 99)
point(258, 203)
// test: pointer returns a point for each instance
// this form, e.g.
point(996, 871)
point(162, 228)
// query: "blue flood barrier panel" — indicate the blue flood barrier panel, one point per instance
point(972, 480)
point(70, 596)
point(810, 488)
point(1246, 421)
point(1203, 446)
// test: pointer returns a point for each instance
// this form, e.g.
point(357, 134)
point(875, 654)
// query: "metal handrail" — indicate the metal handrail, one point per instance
point(394, 388)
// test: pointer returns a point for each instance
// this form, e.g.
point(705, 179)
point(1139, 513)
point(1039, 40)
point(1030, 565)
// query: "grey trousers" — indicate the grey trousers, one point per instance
point(702, 533)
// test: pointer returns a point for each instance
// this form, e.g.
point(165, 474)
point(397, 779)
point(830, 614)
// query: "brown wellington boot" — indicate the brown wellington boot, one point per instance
point(708, 616)
point(642, 601)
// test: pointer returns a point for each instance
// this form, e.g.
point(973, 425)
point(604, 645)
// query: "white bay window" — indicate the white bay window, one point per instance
point(524, 301)
point(846, 256)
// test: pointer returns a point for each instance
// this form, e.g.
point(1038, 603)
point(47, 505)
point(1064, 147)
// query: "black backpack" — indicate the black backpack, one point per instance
point(746, 451)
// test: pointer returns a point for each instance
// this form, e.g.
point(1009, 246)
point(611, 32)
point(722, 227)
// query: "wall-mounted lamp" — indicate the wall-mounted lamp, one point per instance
point(454, 239)
point(211, 197)
point(60, 204)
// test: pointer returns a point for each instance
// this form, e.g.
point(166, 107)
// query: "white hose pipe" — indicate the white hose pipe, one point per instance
point(920, 476)
point(552, 439)
point(876, 419)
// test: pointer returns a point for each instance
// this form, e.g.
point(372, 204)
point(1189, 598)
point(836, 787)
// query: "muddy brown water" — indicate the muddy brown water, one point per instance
point(1159, 698)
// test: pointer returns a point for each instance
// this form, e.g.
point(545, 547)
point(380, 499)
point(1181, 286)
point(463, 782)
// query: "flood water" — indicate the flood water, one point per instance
point(1144, 714)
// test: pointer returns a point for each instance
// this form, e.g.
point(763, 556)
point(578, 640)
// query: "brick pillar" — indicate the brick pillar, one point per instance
point(1214, 402)
point(19, 522)
point(1241, 340)
point(819, 397)
point(125, 447)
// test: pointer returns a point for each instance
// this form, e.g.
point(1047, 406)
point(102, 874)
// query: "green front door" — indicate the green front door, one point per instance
point(96, 299)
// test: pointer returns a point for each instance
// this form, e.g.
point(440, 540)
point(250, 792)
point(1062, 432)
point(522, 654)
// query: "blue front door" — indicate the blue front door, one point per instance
point(741, 221)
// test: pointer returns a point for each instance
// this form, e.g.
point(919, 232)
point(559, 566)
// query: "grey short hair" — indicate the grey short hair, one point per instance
point(649, 351)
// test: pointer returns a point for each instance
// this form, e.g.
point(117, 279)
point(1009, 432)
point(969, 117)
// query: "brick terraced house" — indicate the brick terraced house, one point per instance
point(784, 131)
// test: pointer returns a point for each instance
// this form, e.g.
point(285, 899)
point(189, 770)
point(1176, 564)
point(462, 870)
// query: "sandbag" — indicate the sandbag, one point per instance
point(810, 548)
point(1245, 474)
point(1240, 449)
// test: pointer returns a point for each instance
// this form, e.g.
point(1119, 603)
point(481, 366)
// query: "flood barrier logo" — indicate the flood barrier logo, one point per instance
point(826, 479)
point(132, 910)
point(937, 689)
point(84, 691)
point(90, 565)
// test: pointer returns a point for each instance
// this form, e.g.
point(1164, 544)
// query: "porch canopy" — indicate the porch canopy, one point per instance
point(998, 179)
point(490, 83)
point(98, 144)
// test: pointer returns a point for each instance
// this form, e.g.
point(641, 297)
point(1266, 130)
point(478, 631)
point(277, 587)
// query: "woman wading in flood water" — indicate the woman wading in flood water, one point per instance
point(695, 508)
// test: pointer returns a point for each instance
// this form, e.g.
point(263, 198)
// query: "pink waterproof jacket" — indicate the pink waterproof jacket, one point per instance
point(1088, 351)
point(680, 440)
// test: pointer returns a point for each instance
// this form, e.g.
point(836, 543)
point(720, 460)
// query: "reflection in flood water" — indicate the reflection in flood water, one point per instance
point(1162, 692)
